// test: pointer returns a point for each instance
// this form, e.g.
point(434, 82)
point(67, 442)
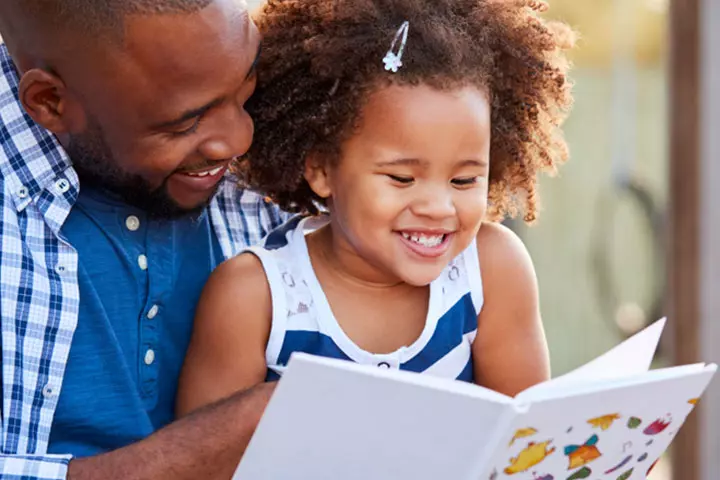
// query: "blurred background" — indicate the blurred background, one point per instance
point(599, 244)
point(602, 240)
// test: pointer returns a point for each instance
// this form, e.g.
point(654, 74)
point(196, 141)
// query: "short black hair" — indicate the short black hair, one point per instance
point(96, 18)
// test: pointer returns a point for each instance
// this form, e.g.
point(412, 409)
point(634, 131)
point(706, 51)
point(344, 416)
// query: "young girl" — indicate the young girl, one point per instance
point(411, 125)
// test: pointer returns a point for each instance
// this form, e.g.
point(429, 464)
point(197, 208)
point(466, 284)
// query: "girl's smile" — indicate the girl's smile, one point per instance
point(409, 190)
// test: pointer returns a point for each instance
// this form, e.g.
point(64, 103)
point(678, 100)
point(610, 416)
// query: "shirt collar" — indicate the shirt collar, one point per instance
point(30, 156)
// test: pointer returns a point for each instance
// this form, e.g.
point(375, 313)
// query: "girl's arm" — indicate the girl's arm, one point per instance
point(232, 326)
point(510, 351)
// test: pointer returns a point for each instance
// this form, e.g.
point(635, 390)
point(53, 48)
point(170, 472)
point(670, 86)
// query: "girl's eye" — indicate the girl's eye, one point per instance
point(190, 130)
point(403, 180)
point(464, 182)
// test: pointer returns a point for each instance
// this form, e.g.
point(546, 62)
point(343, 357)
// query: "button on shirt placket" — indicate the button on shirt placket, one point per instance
point(159, 245)
point(148, 340)
point(132, 223)
point(148, 317)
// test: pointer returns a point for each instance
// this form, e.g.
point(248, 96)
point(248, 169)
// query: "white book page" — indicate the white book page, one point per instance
point(631, 357)
point(617, 433)
point(332, 419)
point(590, 387)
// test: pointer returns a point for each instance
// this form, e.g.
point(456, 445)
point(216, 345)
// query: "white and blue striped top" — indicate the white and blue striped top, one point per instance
point(302, 320)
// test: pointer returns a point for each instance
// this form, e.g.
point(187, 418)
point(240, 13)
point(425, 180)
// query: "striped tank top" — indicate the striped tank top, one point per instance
point(302, 320)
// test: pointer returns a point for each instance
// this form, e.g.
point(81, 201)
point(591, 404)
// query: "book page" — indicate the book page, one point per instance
point(631, 357)
point(332, 419)
point(614, 434)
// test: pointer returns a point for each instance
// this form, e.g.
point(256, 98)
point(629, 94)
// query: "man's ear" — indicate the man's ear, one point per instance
point(42, 94)
point(318, 176)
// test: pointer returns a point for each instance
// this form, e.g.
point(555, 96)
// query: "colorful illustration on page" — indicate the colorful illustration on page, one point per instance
point(523, 433)
point(626, 475)
point(634, 422)
point(604, 422)
point(529, 457)
point(584, 472)
point(544, 477)
point(579, 455)
point(620, 465)
point(652, 467)
point(658, 426)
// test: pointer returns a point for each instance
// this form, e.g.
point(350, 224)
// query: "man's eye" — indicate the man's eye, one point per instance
point(403, 180)
point(189, 130)
point(464, 182)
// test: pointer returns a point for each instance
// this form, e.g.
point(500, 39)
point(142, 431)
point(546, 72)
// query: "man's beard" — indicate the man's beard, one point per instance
point(96, 167)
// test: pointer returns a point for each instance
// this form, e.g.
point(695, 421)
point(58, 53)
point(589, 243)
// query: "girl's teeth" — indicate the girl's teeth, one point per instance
point(425, 240)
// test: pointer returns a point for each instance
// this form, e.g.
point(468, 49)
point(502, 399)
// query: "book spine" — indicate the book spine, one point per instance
point(483, 466)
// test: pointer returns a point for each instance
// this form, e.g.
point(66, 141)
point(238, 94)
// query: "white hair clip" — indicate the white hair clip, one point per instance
point(392, 60)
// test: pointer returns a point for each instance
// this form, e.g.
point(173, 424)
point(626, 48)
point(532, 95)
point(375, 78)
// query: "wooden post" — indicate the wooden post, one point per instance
point(684, 222)
point(694, 233)
point(709, 331)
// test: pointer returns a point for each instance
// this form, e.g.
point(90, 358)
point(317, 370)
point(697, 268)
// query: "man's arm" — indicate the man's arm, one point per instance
point(206, 444)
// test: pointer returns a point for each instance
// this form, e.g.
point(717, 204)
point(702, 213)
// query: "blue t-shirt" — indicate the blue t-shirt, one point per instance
point(140, 280)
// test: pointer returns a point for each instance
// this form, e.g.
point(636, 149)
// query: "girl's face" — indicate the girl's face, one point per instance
point(410, 190)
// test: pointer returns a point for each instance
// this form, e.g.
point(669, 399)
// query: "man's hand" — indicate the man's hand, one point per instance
point(206, 444)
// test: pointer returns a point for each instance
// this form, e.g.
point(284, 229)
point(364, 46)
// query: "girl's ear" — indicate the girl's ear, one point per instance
point(318, 176)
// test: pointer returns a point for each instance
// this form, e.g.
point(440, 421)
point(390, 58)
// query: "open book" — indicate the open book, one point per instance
point(610, 419)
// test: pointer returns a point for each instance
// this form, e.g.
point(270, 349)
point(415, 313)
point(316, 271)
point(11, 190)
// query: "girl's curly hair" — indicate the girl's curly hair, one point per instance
point(322, 58)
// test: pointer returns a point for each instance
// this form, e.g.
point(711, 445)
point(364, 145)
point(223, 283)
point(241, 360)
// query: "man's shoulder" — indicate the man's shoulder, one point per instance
point(236, 201)
point(231, 190)
point(247, 215)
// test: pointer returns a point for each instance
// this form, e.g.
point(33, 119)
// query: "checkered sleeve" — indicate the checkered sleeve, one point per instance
point(247, 216)
point(271, 216)
point(32, 467)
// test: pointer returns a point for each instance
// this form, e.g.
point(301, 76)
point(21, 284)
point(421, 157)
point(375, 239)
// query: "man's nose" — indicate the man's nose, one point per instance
point(232, 137)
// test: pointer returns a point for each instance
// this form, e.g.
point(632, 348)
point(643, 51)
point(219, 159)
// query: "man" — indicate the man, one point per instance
point(118, 121)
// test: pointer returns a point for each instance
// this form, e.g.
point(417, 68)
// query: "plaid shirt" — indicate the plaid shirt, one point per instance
point(39, 296)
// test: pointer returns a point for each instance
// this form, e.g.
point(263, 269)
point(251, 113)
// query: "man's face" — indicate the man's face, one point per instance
point(160, 120)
